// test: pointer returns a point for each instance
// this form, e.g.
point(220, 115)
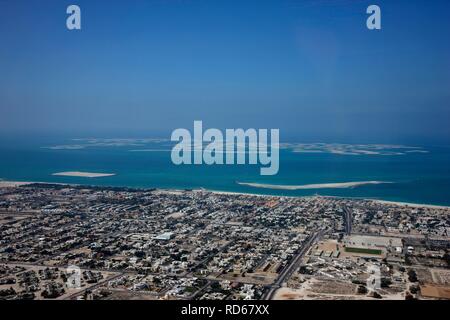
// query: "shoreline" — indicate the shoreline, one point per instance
point(6, 184)
point(396, 203)
point(414, 205)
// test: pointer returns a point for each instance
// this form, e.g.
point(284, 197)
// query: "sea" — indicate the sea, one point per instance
point(404, 173)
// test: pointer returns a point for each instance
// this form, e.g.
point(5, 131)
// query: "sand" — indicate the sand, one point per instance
point(6, 184)
point(341, 185)
point(81, 174)
point(414, 205)
point(13, 184)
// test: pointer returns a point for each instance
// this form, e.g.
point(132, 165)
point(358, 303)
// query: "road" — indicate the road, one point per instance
point(348, 220)
point(294, 264)
point(92, 287)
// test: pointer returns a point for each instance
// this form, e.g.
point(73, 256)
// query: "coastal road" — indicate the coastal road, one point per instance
point(287, 272)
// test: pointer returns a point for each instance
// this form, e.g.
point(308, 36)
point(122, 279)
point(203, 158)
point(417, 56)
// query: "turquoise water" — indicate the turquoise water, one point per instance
point(416, 177)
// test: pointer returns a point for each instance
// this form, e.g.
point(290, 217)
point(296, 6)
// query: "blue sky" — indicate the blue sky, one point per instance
point(310, 68)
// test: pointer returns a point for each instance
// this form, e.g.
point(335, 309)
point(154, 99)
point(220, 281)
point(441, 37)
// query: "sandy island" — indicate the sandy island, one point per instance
point(81, 174)
point(340, 185)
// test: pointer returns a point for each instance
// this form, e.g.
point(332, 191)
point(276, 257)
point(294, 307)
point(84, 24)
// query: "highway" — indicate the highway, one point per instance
point(348, 220)
point(294, 264)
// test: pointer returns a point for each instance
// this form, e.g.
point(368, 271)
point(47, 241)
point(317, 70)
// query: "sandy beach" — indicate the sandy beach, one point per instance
point(232, 193)
point(404, 204)
point(414, 205)
point(12, 184)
